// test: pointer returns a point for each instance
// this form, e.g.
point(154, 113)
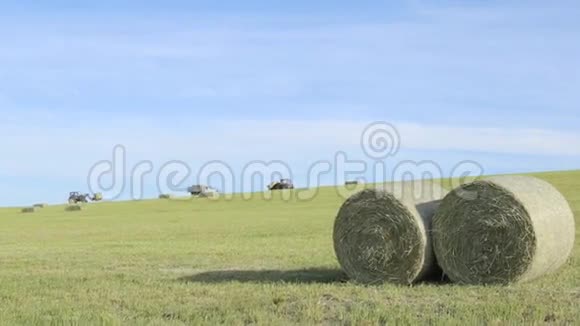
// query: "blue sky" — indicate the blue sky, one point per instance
point(496, 82)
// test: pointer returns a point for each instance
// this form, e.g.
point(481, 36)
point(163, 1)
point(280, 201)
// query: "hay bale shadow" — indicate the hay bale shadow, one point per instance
point(303, 276)
point(437, 278)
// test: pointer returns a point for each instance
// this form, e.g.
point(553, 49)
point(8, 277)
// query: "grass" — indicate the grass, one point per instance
point(174, 262)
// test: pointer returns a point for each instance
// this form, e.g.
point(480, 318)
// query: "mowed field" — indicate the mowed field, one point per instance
point(179, 262)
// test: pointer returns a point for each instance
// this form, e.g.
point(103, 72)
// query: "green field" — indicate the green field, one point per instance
point(237, 262)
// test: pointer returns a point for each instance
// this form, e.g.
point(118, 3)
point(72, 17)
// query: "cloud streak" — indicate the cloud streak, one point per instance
point(40, 149)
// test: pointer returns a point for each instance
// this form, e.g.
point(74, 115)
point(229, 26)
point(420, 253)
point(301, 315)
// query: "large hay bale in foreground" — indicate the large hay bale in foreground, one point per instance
point(516, 229)
point(382, 235)
point(29, 209)
point(74, 208)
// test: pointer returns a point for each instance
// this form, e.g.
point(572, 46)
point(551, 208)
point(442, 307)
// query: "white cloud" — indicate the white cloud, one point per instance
point(414, 136)
point(493, 140)
point(69, 150)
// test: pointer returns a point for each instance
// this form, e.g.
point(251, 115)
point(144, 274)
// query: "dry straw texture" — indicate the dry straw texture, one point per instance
point(503, 230)
point(74, 208)
point(382, 235)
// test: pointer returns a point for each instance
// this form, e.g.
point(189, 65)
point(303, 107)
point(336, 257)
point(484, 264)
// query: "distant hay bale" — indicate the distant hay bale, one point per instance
point(164, 196)
point(29, 209)
point(503, 230)
point(74, 208)
point(40, 205)
point(382, 235)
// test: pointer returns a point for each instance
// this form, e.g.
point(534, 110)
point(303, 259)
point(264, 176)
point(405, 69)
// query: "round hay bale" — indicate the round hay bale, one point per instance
point(382, 235)
point(503, 230)
point(74, 208)
point(40, 205)
point(29, 209)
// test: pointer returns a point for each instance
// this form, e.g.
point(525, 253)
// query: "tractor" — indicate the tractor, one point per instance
point(202, 191)
point(281, 185)
point(76, 197)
